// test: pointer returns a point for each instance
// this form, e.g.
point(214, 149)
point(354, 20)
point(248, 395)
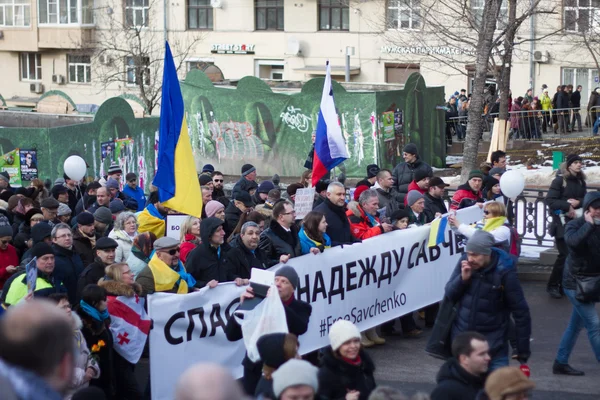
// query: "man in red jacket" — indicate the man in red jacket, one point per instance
point(9, 260)
point(420, 183)
point(469, 193)
point(364, 223)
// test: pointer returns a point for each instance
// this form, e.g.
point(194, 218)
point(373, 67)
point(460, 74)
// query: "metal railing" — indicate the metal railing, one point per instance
point(534, 124)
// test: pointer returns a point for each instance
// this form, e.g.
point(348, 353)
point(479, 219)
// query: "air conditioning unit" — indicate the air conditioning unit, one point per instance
point(61, 80)
point(541, 56)
point(104, 59)
point(216, 3)
point(36, 88)
point(54, 78)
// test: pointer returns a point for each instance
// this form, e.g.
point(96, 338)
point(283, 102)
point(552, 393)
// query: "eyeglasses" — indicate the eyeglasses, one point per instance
point(290, 213)
point(172, 252)
point(66, 235)
point(36, 219)
point(218, 180)
point(486, 212)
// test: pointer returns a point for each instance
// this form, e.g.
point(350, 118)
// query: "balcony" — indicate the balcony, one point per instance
point(65, 37)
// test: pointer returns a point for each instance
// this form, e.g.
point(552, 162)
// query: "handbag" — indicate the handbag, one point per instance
point(587, 288)
point(439, 344)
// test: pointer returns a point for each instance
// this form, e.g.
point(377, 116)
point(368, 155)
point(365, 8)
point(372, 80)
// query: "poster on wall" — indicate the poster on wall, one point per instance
point(29, 169)
point(107, 156)
point(388, 125)
point(11, 163)
point(124, 156)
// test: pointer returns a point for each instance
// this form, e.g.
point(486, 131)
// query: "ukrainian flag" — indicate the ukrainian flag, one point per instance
point(438, 229)
point(176, 177)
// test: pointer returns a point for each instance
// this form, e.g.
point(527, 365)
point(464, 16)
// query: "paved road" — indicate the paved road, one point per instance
point(402, 363)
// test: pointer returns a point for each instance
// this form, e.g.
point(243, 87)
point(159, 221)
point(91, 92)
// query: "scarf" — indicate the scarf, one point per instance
point(93, 312)
point(372, 220)
point(166, 277)
point(356, 362)
point(91, 238)
point(490, 224)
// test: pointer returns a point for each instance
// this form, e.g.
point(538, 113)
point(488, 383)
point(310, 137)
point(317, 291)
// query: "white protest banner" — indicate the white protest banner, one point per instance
point(303, 204)
point(173, 225)
point(367, 283)
point(189, 329)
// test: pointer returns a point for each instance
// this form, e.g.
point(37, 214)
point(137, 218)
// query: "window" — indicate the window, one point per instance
point(269, 69)
point(31, 66)
point(404, 14)
point(15, 12)
point(200, 14)
point(80, 69)
point(477, 10)
point(581, 14)
point(269, 14)
point(399, 73)
point(587, 78)
point(134, 72)
point(136, 12)
point(334, 15)
point(66, 12)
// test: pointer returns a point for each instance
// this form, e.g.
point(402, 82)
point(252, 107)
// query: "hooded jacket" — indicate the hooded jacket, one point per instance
point(454, 383)
point(404, 174)
point(243, 185)
point(276, 241)
point(564, 186)
point(232, 217)
point(207, 262)
point(337, 377)
point(241, 260)
point(465, 195)
point(67, 268)
point(486, 301)
point(361, 226)
point(583, 240)
point(338, 226)
point(125, 242)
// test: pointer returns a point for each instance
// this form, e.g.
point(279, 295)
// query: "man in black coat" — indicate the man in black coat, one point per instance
point(576, 105)
point(105, 256)
point(372, 171)
point(562, 105)
point(280, 240)
point(241, 203)
point(245, 254)
point(297, 315)
point(463, 375)
point(334, 208)
point(207, 263)
point(434, 202)
point(564, 198)
point(404, 171)
point(67, 263)
point(247, 182)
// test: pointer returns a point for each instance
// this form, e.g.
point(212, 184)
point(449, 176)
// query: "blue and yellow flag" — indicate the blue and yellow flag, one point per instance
point(176, 177)
point(438, 229)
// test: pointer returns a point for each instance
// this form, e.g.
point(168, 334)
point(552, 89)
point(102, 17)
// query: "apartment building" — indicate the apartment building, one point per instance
point(51, 44)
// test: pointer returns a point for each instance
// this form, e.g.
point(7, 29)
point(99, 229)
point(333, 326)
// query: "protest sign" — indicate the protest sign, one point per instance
point(31, 273)
point(304, 202)
point(29, 169)
point(173, 225)
point(367, 283)
point(388, 125)
point(11, 163)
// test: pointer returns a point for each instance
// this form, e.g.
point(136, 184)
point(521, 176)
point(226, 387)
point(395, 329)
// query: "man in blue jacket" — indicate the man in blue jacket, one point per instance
point(131, 189)
point(486, 289)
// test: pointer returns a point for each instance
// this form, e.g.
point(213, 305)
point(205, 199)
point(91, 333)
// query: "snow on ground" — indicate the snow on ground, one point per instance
point(532, 251)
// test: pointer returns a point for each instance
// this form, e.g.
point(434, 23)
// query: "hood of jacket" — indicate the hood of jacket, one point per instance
point(566, 174)
point(77, 324)
point(355, 209)
point(589, 198)
point(452, 371)
point(208, 227)
point(114, 288)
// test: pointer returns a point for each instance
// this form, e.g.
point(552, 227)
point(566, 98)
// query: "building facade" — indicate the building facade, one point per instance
point(51, 44)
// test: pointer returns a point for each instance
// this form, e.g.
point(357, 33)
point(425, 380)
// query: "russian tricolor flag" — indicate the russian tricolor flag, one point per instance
point(330, 149)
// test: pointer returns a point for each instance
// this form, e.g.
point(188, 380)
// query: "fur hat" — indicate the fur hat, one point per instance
point(505, 381)
point(342, 331)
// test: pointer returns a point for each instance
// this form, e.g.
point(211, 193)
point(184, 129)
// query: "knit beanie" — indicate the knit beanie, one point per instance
point(114, 169)
point(358, 191)
point(112, 184)
point(103, 215)
point(13, 201)
point(475, 174)
point(63, 210)
point(342, 331)
point(212, 207)
point(204, 179)
point(208, 168)
point(4, 176)
point(247, 169)
point(372, 170)
point(294, 373)
point(6, 230)
point(481, 243)
point(571, 158)
point(410, 148)
point(41, 249)
point(420, 174)
point(85, 218)
point(265, 187)
point(289, 273)
point(40, 231)
point(412, 197)
point(276, 348)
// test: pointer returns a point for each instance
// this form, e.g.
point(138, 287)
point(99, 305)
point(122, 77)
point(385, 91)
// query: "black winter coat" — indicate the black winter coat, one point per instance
point(206, 262)
point(454, 383)
point(337, 377)
point(486, 301)
point(232, 217)
point(241, 260)
point(276, 241)
point(389, 200)
point(243, 185)
point(90, 275)
point(83, 247)
point(338, 226)
point(67, 268)
point(433, 206)
point(564, 187)
point(404, 174)
point(576, 99)
point(583, 240)
point(562, 100)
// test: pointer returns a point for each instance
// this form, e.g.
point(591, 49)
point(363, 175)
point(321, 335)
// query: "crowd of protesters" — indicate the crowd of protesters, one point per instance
point(530, 116)
point(94, 242)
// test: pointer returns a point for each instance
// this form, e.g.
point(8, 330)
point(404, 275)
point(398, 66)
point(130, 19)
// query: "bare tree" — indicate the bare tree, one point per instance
point(129, 49)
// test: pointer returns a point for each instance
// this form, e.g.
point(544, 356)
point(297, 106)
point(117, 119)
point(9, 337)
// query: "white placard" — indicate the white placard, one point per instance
point(303, 204)
point(173, 225)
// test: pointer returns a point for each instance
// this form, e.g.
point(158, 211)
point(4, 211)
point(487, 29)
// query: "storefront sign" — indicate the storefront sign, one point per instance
point(427, 50)
point(232, 48)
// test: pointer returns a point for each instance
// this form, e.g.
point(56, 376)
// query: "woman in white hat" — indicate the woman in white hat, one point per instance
point(346, 369)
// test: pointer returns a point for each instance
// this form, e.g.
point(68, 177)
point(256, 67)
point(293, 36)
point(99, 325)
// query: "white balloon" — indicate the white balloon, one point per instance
point(512, 183)
point(75, 167)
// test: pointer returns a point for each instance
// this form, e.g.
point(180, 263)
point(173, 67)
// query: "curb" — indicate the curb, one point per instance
point(530, 270)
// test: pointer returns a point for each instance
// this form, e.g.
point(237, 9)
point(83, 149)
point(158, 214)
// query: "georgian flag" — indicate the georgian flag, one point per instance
point(129, 325)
